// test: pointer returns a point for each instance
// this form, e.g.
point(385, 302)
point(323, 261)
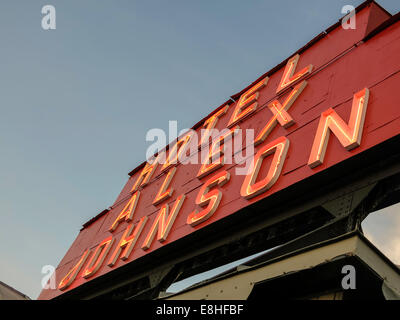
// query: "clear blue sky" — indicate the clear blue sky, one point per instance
point(76, 102)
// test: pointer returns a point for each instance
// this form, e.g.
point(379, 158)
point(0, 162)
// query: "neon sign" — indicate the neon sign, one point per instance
point(213, 174)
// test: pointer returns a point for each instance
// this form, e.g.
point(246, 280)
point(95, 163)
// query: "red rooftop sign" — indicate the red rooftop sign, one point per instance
point(333, 99)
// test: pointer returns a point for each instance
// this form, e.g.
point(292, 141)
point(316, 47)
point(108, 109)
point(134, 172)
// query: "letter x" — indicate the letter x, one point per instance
point(280, 113)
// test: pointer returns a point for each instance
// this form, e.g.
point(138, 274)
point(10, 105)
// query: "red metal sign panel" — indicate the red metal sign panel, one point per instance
point(335, 98)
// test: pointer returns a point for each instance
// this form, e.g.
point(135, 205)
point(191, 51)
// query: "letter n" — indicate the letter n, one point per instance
point(349, 135)
point(127, 241)
point(163, 222)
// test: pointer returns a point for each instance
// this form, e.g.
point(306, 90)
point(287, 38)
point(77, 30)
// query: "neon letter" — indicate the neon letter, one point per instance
point(71, 275)
point(210, 124)
point(348, 135)
point(208, 198)
point(164, 192)
point(288, 76)
point(216, 155)
point(247, 103)
point(175, 154)
point(162, 225)
point(251, 188)
point(147, 172)
point(98, 257)
point(280, 113)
